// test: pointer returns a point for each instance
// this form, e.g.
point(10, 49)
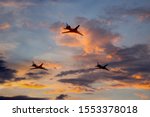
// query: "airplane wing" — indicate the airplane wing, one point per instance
point(107, 69)
point(80, 33)
point(41, 65)
point(44, 69)
point(77, 27)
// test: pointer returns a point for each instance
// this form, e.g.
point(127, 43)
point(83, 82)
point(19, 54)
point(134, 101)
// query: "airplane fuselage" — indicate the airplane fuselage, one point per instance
point(101, 67)
point(72, 30)
point(38, 67)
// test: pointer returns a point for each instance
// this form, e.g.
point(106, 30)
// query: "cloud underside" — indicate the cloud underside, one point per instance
point(130, 71)
point(21, 98)
point(129, 66)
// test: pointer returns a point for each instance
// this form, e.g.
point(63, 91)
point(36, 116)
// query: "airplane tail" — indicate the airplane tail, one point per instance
point(33, 63)
point(41, 65)
point(97, 63)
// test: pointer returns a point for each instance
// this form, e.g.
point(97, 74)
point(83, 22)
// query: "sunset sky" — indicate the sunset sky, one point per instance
point(115, 32)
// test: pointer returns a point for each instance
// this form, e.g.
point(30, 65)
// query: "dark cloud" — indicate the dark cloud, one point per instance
point(6, 74)
point(21, 98)
point(134, 61)
point(69, 72)
point(61, 97)
point(86, 79)
point(36, 75)
point(19, 79)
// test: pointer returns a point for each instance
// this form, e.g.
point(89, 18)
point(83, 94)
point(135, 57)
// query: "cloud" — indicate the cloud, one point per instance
point(6, 47)
point(6, 74)
point(33, 85)
point(59, 88)
point(84, 79)
point(61, 97)
point(21, 98)
point(69, 72)
point(142, 13)
point(16, 3)
point(26, 3)
point(132, 70)
point(36, 75)
point(142, 96)
point(4, 26)
point(10, 75)
point(95, 40)
point(134, 59)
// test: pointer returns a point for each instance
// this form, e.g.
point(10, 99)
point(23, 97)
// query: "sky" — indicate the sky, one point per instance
point(115, 32)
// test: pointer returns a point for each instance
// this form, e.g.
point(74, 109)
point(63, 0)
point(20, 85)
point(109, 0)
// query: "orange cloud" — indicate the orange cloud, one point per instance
point(94, 40)
point(25, 84)
point(58, 88)
point(145, 86)
point(15, 4)
point(5, 26)
point(137, 76)
point(33, 85)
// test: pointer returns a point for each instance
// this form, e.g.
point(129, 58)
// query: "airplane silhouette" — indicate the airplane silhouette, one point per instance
point(72, 30)
point(35, 66)
point(102, 66)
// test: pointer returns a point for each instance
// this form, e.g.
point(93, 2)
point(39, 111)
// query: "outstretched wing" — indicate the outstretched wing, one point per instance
point(41, 65)
point(80, 33)
point(77, 27)
point(105, 65)
point(107, 69)
point(44, 68)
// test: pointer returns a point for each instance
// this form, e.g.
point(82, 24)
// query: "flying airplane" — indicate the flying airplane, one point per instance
point(102, 66)
point(35, 66)
point(72, 30)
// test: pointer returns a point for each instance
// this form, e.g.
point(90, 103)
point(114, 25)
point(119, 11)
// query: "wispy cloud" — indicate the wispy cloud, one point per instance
point(5, 26)
point(132, 63)
point(37, 75)
point(69, 72)
point(6, 48)
point(142, 96)
point(142, 13)
point(16, 3)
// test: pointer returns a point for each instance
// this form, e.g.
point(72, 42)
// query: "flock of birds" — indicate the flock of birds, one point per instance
point(69, 30)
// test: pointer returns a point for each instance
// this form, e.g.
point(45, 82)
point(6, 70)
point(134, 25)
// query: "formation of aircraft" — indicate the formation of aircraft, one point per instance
point(35, 66)
point(98, 66)
point(72, 30)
